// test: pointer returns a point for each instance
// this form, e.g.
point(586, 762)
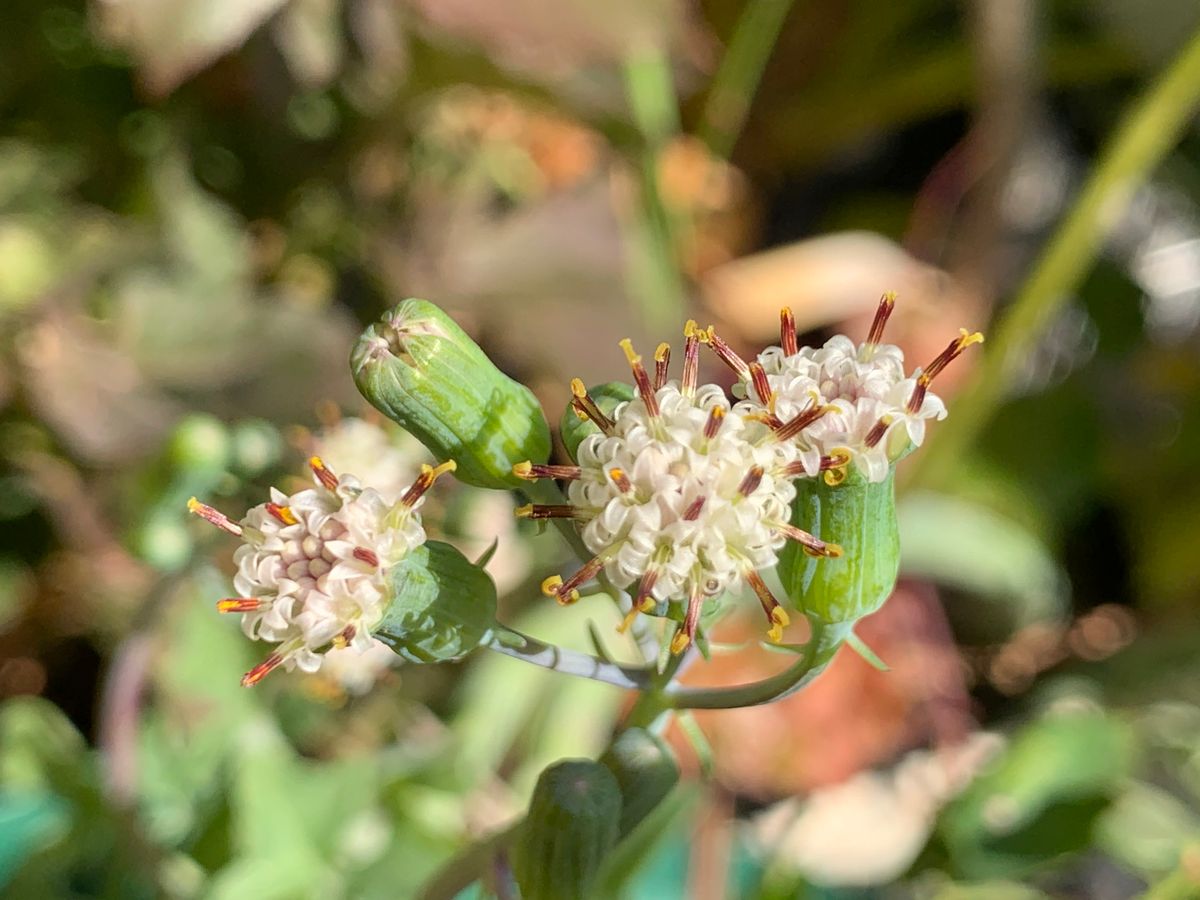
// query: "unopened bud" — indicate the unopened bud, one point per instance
point(421, 370)
point(441, 605)
point(860, 516)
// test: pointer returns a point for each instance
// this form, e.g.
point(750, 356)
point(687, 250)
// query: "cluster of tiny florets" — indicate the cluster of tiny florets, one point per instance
point(680, 496)
point(312, 566)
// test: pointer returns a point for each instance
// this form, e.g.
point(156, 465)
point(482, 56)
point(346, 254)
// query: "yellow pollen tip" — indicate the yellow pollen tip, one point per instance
point(717, 412)
point(194, 504)
point(628, 620)
point(316, 462)
point(775, 633)
point(833, 551)
point(524, 512)
point(690, 328)
point(968, 338)
point(780, 617)
point(660, 353)
point(339, 642)
point(680, 642)
point(578, 388)
point(523, 469)
point(889, 297)
point(627, 345)
point(834, 477)
point(551, 585)
point(440, 470)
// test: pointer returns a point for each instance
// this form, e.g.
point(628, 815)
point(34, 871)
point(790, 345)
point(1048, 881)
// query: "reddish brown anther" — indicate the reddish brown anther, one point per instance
point(328, 480)
point(282, 514)
point(878, 430)
point(262, 670)
point(943, 359)
point(370, 557)
point(762, 386)
point(424, 481)
point(532, 472)
point(213, 516)
point(751, 482)
point(662, 363)
point(567, 592)
point(726, 354)
point(882, 313)
point(692, 513)
point(812, 544)
point(641, 379)
point(787, 332)
point(620, 480)
point(716, 416)
point(800, 421)
point(776, 614)
point(585, 407)
point(240, 604)
point(691, 359)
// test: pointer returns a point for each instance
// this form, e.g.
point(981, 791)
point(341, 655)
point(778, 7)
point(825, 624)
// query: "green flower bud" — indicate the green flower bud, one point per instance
point(860, 516)
point(575, 425)
point(573, 823)
point(645, 769)
point(442, 606)
point(420, 369)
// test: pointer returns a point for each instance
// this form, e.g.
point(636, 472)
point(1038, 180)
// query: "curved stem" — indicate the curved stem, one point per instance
point(817, 654)
point(570, 662)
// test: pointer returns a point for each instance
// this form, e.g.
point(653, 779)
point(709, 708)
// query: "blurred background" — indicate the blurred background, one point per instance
point(203, 201)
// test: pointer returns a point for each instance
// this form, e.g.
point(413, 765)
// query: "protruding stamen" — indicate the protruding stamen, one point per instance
point(547, 511)
point(429, 474)
point(802, 420)
point(692, 513)
point(283, 514)
point(776, 614)
point(567, 592)
point(716, 416)
point(878, 430)
point(531, 472)
point(241, 604)
point(812, 544)
point(585, 407)
point(328, 480)
point(726, 353)
point(264, 668)
point(762, 386)
point(620, 479)
point(943, 359)
point(342, 639)
point(691, 359)
point(882, 313)
point(642, 602)
point(662, 363)
point(641, 379)
point(787, 332)
point(363, 554)
point(691, 622)
point(833, 461)
point(751, 482)
point(213, 516)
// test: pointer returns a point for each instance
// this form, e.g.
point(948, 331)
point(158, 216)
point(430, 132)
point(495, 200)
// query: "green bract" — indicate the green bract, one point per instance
point(574, 429)
point(442, 605)
point(860, 516)
point(573, 823)
point(421, 370)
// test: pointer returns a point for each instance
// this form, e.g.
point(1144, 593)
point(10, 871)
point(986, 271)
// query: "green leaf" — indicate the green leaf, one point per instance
point(1041, 799)
point(855, 643)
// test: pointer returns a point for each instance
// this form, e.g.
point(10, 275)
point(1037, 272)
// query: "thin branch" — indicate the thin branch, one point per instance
point(569, 662)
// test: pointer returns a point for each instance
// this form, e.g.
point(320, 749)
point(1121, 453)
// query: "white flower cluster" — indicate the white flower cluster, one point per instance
point(676, 496)
point(873, 414)
point(689, 494)
point(311, 571)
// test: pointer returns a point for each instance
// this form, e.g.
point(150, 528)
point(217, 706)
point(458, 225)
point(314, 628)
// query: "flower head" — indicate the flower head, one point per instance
point(874, 413)
point(311, 570)
point(676, 495)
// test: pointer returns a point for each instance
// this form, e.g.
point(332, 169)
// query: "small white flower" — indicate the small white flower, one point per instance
point(384, 457)
point(873, 412)
point(312, 568)
point(676, 496)
point(356, 672)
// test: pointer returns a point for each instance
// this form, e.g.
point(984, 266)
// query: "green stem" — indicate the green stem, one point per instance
point(654, 269)
point(465, 868)
point(817, 654)
point(513, 643)
point(741, 69)
point(1146, 134)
